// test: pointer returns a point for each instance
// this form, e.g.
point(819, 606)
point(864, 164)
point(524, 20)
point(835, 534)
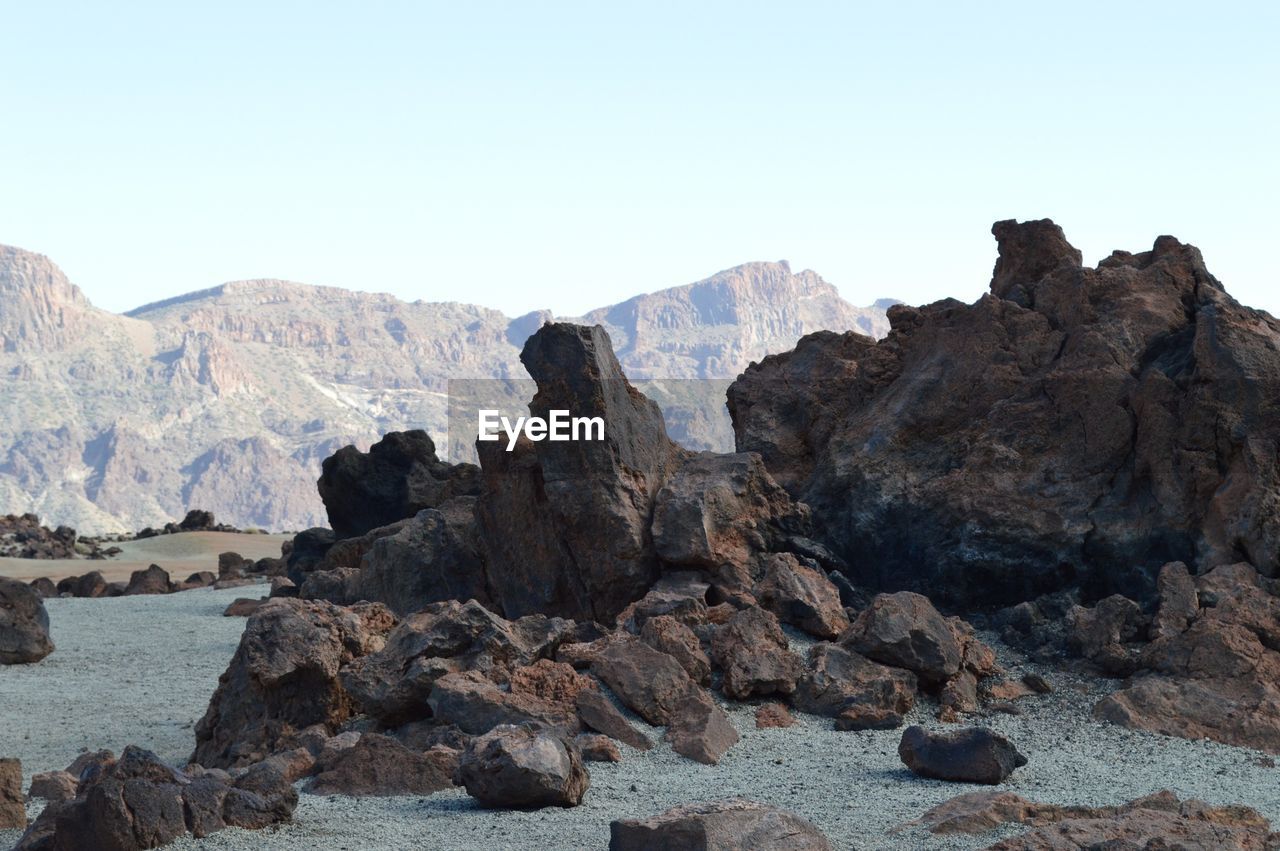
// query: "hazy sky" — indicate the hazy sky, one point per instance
point(568, 155)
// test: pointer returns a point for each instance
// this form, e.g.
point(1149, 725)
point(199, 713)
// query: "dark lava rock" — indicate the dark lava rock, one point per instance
point(380, 766)
point(971, 755)
point(859, 693)
point(153, 580)
point(399, 476)
point(566, 525)
point(1089, 426)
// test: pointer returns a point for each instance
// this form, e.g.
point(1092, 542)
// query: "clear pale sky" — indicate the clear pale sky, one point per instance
point(568, 155)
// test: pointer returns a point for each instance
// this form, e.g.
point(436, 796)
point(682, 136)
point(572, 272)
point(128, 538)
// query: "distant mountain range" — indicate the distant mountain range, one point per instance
point(229, 398)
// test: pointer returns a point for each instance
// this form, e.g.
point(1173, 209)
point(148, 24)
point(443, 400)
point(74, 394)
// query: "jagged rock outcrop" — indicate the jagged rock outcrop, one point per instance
point(284, 678)
point(399, 476)
point(1077, 426)
point(565, 524)
point(24, 624)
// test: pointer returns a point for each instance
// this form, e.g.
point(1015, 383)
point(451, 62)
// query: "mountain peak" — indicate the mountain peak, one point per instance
point(39, 307)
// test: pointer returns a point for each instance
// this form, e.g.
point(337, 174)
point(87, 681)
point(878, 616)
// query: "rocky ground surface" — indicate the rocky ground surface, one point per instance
point(116, 679)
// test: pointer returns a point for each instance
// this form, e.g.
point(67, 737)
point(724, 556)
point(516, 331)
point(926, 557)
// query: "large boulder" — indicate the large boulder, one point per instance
point(858, 693)
point(970, 755)
point(284, 677)
point(399, 476)
point(24, 624)
point(800, 594)
point(153, 580)
point(1077, 426)
point(523, 768)
point(566, 524)
point(905, 630)
point(650, 683)
point(732, 825)
point(394, 685)
point(751, 650)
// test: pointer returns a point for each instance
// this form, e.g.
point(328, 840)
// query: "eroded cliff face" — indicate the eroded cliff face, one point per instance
point(1076, 426)
point(228, 399)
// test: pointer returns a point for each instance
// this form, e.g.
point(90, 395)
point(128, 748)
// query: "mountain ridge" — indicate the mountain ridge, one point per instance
point(228, 397)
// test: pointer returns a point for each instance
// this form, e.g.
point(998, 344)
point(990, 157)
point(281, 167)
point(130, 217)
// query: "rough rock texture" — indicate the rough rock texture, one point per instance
point(522, 768)
point(752, 651)
point(971, 755)
point(1156, 821)
point(801, 595)
point(399, 476)
point(650, 683)
point(720, 509)
point(393, 685)
point(379, 766)
point(475, 704)
point(284, 678)
point(599, 713)
point(672, 637)
point(53, 786)
point(566, 524)
point(732, 825)
point(773, 716)
point(699, 729)
point(597, 747)
point(24, 624)
point(1076, 426)
point(139, 802)
point(1219, 676)
point(13, 808)
point(858, 693)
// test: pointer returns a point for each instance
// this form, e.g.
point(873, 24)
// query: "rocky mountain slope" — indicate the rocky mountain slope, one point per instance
point(229, 398)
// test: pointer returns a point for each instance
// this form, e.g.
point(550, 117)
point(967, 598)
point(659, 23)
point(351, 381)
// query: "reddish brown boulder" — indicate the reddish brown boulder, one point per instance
point(13, 807)
point(971, 755)
point(553, 682)
point(647, 681)
point(597, 747)
point(284, 678)
point(53, 786)
point(859, 693)
point(394, 684)
point(801, 595)
point(718, 826)
point(752, 651)
point(773, 716)
point(522, 768)
point(242, 607)
point(475, 704)
point(672, 637)
point(1178, 603)
point(700, 729)
point(24, 624)
point(599, 713)
point(681, 595)
point(904, 630)
point(378, 766)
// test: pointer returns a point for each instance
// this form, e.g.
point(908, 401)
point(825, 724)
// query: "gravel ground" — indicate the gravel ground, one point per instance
point(141, 670)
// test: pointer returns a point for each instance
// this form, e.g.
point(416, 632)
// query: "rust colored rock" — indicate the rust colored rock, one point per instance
point(13, 807)
point(522, 768)
point(722, 509)
point(53, 786)
point(801, 595)
point(904, 630)
point(718, 826)
point(700, 729)
point(597, 747)
point(648, 682)
point(752, 651)
point(672, 637)
point(284, 678)
point(1105, 633)
point(1015, 470)
point(599, 713)
point(839, 683)
point(24, 624)
point(394, 683)
point(1177, 604)
point(566, 524)
point(475, 704)
point(773, 716)
point(242, 607)
point(971, 755)
point(378, 766)
point(681, 595)
point(554, 682)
